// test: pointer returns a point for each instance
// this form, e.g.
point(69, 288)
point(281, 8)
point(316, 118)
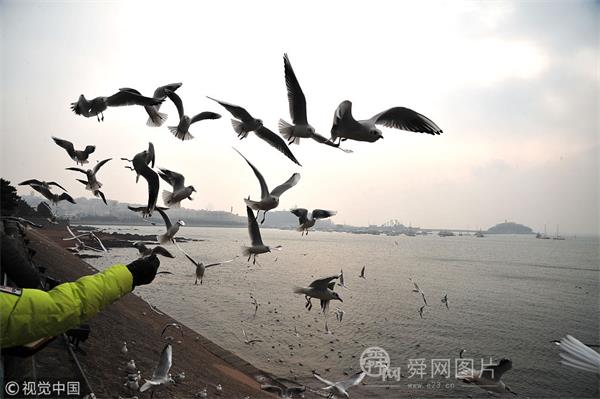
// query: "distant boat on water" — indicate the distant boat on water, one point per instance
point(445, 233)
point(479, 234)
point(543, 236)
point(557, 237)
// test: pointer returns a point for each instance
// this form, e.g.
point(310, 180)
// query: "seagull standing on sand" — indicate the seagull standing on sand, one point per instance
point(172, 229)
point(181, 130)
point(268, 200)
point(345, 127)
point(297, 102)
point(98, 105)
point(340, 388)
point(257, 246)
point(155, 118)
point(490, 377)
point(249, 124)
point(306, 222)
point(144, 251)
point(575, 354)
point(161, 372)
point(321, 289)
point(180, 191)
point(80, 157)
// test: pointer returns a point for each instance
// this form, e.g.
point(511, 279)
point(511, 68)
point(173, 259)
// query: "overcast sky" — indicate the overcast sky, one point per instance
point(514, 86)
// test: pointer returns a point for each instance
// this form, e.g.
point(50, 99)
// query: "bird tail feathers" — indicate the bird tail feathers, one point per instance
point(299, 290)
point(163, 239)
point(181, 136)
point(287, 131)
point(156, 119)
point(168, 200)
point(237, 126)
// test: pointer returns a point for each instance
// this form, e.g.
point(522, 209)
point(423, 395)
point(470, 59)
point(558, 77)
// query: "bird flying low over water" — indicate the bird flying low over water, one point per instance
point(98, 105)
point(247, 123)
point(180, 191)
point(257, 247)
point(320, 289)
point(181, 130)
point(79, 156)
point(341, 388)
point(297, 102)
point(201, 267)
point(345, 127)
point(155, 118)
point(306, 222)
point(418, 290)
point(268, 200)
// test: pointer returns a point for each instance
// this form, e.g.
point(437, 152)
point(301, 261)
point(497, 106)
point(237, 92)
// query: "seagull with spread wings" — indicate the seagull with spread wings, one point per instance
point(257, 246)
point(161, 374)
point(308, 222)
point(180, 191)
point(149, 158)
point(345, 127)
point(201, 267)
point(297, 102)
point(44, 189)
point(181, 131)
point(268, 200)
point(172, 229)
point(79, 156)
point(321, 289)
point(92, 182)
point(419, 291)
point(247, 123)
point(341, 388)
point(40, 183)
point(140, 165)
point(98, 105)
point(155, 118)
point(490, 377)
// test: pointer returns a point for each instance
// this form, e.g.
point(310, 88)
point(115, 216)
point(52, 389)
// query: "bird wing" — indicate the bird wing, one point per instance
point(219, 263)
point(253, 229)
point(276, 141)
point(158, 250)
point(190, 258)
point(343, 115)
point(323, 283)
point(322, 213)
point(142, 169)
point(264, 190)
point(235, 110)
point(66, 197)
point(101, 194)
point(77, 170)
point(100, 164)
point(296, 99)
point(123, 98)
point(44, 209)
point(165, 218)
point(302, 214)
point(406, 119)
point(352, 381)
point(164, 364)
point(204, 115)
point(151, 155)
point(173, 178)
point(67, 145)
point(89, 149)
point(161, 91)
point(177, 101)
point(576, 354)
point(323, 380)
point(31, 182)
point(323, 140)
point(291, 182)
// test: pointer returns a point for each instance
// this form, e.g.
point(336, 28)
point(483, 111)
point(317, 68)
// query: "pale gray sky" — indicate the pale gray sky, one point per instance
point(514, 86)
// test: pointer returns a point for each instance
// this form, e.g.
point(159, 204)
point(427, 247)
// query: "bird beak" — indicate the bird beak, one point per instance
point(340, 299)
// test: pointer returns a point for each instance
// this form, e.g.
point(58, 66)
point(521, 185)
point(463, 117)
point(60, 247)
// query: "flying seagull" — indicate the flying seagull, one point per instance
point(248, 124)
point(306, 222)
point(181, 131)
point(180, 191)
point(257, 246)
point(172, 229)
point(161, 372)
point(419, 290)
point(575, 354)
point(297, 103)
point(201, 267)
point(268, 200)
point(92, 182)
point(96, 192)
point(155, 118)
point(149, 159)
point(40, 183)
point(341, 281)
point(421, 311)
point(490, 377)
point(345, 127)
point(321, 289)
point(79, 156)
point(53, 198)
point(144, 251)
point(98, 105)
point(340, 388)
point(140, 165)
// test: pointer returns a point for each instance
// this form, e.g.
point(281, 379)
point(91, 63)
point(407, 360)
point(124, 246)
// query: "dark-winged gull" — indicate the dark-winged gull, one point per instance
point(92, 182)
point(144, 251)
point(180, 191)
point(79, 156)
point(321, 289)
point(345, 127)
point(40, 183)
point(308, 222)
point(53, 198)
point(172, 229)
point(201, 267)
point(268, 200)
point(98, 105)
point(155, 118)
point(181, 131)
point(247, 123)
point(257, 247)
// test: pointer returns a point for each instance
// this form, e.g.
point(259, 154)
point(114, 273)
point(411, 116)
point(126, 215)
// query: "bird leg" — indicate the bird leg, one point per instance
point(264, 215)
point(308, 303)
point(249, 256)
point(196, 283)
point(254, 260)
point(102, 113)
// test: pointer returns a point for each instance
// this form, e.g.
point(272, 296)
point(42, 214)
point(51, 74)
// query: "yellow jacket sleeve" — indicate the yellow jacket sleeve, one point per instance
point(36, 314)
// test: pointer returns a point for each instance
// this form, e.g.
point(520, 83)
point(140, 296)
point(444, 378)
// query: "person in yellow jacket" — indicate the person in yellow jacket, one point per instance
point(27, 315)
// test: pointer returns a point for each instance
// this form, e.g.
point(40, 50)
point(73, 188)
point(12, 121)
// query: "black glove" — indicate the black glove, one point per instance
point(143, 270)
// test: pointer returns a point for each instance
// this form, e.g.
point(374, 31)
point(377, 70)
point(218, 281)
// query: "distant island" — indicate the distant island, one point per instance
point(509, 228)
